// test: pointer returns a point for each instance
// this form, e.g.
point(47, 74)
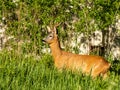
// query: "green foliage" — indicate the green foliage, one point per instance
point(105, 12)
point(27, 19)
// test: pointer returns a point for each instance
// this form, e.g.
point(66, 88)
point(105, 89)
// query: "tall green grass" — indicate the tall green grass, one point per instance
point(18, 72)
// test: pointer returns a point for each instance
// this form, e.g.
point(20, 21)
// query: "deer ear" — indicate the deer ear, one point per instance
point(48, 28)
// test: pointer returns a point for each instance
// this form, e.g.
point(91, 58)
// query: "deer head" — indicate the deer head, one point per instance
point(52, 36)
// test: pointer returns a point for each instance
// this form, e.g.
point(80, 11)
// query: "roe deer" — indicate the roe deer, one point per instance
point(88, 64)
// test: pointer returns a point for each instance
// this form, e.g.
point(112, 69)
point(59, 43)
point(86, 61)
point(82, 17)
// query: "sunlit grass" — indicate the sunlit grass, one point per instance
point(20, 73)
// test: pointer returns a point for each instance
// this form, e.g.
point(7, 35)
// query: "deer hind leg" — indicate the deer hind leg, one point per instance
point(95, 74)
point(105, 75)
point(102, 70)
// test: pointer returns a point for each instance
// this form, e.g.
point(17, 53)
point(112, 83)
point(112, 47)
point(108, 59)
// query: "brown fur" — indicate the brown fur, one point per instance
point(88, 64)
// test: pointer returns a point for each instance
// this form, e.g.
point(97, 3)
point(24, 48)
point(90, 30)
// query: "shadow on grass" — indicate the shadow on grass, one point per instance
point(115, 67)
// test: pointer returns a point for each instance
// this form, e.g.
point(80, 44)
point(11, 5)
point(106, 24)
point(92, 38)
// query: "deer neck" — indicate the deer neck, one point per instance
point(55, 48)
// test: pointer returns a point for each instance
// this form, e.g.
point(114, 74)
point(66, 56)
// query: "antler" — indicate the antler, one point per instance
point(56, 25)
point(49, 29)
point(53, 28)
